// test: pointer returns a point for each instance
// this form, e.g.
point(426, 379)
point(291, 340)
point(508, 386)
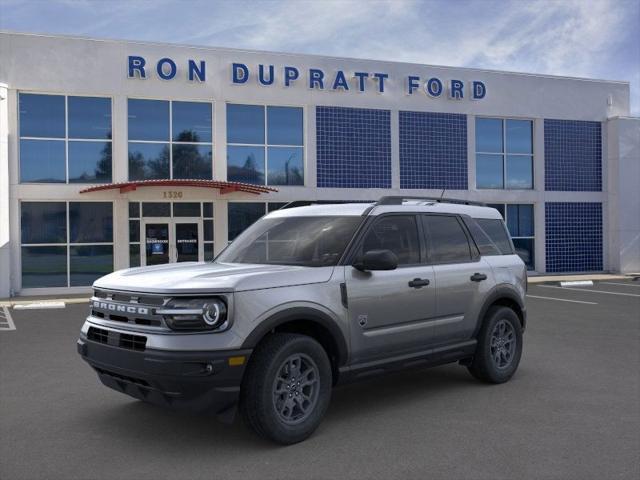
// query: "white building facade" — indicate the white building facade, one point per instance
point(116, 154)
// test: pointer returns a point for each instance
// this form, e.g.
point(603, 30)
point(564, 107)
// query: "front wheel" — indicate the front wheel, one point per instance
point(287, 388)
point(499, 346)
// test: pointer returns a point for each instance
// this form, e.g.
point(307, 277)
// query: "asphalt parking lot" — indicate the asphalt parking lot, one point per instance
point(571, 411)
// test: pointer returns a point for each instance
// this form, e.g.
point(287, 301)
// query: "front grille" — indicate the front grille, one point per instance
point(128, 308)
point(116, 339)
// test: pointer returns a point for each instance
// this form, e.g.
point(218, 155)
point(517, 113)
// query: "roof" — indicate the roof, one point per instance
point(223, 187)
point(358, 209)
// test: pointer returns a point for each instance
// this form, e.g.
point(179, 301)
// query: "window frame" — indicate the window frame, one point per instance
point(504, 154)
point(67, 243)
point(266, 145)
point(66, 139)
point(170, 142)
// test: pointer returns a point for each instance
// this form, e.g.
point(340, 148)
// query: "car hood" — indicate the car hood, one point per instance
point(198, 277)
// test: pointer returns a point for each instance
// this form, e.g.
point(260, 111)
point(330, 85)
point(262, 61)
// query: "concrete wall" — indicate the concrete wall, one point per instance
point(623, 157)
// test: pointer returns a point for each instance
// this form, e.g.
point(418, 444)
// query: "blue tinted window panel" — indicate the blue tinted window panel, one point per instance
point(245, 124)
point(573, 155)
point(134, 255)
point(519, 172)
point(192, 161)
point(44, 267)
point(245, 164)
point(519, 135)
point(433, 150)
point(284, 126)
point(43, 222)
point(90, 222)
point(148, 119)
point(89, 117)
point(148, 161)
point(353, 147)
point(489, 171)
point(286, 166)
point(41, 115)
point(42, 161)
point(192, 122)
point(573, 236)
point(489, 135)
point(89, 162)
point(89, 262)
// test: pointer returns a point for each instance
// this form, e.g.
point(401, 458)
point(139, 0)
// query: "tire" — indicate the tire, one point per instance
point(499, 346)
point(273, 405)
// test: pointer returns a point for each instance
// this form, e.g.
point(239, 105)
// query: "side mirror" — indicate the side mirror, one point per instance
point(377, 260)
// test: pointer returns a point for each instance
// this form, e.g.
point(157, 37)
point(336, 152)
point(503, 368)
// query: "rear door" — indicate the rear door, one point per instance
point(462, 277)
point(391, 311)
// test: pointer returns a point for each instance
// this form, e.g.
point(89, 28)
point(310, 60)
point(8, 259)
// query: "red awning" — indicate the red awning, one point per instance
point(224, 187)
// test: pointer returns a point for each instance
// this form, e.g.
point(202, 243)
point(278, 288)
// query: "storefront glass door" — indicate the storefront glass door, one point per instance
point(168, 240)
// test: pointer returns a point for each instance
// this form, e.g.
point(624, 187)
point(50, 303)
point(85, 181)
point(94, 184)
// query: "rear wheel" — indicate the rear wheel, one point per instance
point(287, 388)
point(499, 346)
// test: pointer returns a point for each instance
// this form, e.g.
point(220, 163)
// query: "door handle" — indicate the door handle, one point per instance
point(419, 283)
point(478, 277)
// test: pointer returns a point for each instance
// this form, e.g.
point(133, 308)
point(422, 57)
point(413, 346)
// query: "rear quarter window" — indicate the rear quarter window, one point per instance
point(490, 236)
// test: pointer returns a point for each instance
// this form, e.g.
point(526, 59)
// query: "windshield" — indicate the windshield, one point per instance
point(304, 241)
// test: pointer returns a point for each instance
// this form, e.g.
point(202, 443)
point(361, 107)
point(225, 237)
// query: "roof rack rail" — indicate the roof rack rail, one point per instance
point(397, 200)
point(306, 203)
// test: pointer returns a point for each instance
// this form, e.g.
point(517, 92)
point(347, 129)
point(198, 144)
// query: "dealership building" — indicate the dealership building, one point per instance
point(116, 154)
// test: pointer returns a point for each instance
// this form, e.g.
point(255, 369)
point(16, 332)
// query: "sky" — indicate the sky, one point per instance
point(580, 38)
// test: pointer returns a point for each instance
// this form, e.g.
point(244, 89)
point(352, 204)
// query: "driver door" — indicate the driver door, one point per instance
point(389, 313)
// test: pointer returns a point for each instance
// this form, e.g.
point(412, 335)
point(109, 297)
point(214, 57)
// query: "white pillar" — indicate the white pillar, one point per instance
point(5, 243)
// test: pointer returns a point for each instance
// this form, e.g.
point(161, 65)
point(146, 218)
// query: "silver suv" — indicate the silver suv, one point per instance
point(309, 297)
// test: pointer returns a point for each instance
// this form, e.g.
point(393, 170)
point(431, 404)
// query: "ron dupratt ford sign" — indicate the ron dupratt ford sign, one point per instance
point(314, 78)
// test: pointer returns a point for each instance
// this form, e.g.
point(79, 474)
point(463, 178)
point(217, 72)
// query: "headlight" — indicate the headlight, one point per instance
point(195, 314)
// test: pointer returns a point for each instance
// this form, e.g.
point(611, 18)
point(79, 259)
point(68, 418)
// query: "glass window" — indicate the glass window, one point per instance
point(304, 241)
point(524, 249)
point(90, 262)
point(499, 207)
point(42, 161)
point(284, 126)
point(148, 161)
point(504, 153)
point(89, 162)
point(245, 164)
point(285, 166)
point(192, 161)
point(42, 115)
point(156, 209)
point(134, 210)
point(273, 206)
point(447, 241)
point(90, 222)
point(489, 171)
point(191, 122)
point(519, 172)
point(497, 234)
point(44, 267)
point(208, 252)
point(520, 220)
point(148, 120)
point(134, 230)
point(89, 117)
point(245, 124)
point(208, 230)
point(43, 222)
point(242, 215)
point(134, 255)
point(398, 233)
point(519, 136)
point(190, 209)
point(207, 209)
point(489, 135)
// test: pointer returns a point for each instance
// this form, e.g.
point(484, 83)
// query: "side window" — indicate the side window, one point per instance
point(497, 233)
point(398, 233)
point(448, 242)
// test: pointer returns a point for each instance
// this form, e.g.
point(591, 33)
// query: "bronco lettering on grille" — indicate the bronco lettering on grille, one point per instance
point(115, 307)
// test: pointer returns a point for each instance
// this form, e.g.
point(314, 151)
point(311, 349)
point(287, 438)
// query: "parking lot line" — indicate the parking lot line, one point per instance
point(562, 299)
point(622, 284)
point(591, 290)
point(6, 322)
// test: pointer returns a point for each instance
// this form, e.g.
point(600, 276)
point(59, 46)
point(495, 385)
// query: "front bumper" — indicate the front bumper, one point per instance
point(194, 381)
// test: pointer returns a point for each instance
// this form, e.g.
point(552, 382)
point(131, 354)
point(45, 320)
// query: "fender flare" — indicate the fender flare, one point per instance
point(301, 313)
point(499, 292)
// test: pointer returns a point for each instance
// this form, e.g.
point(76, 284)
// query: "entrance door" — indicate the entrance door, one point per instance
point(170, 240)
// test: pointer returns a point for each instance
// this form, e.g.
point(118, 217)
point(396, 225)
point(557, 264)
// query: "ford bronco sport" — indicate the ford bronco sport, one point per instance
point(308, 297)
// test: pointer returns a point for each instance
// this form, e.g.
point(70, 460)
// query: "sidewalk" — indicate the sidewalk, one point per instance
point(570, 278)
